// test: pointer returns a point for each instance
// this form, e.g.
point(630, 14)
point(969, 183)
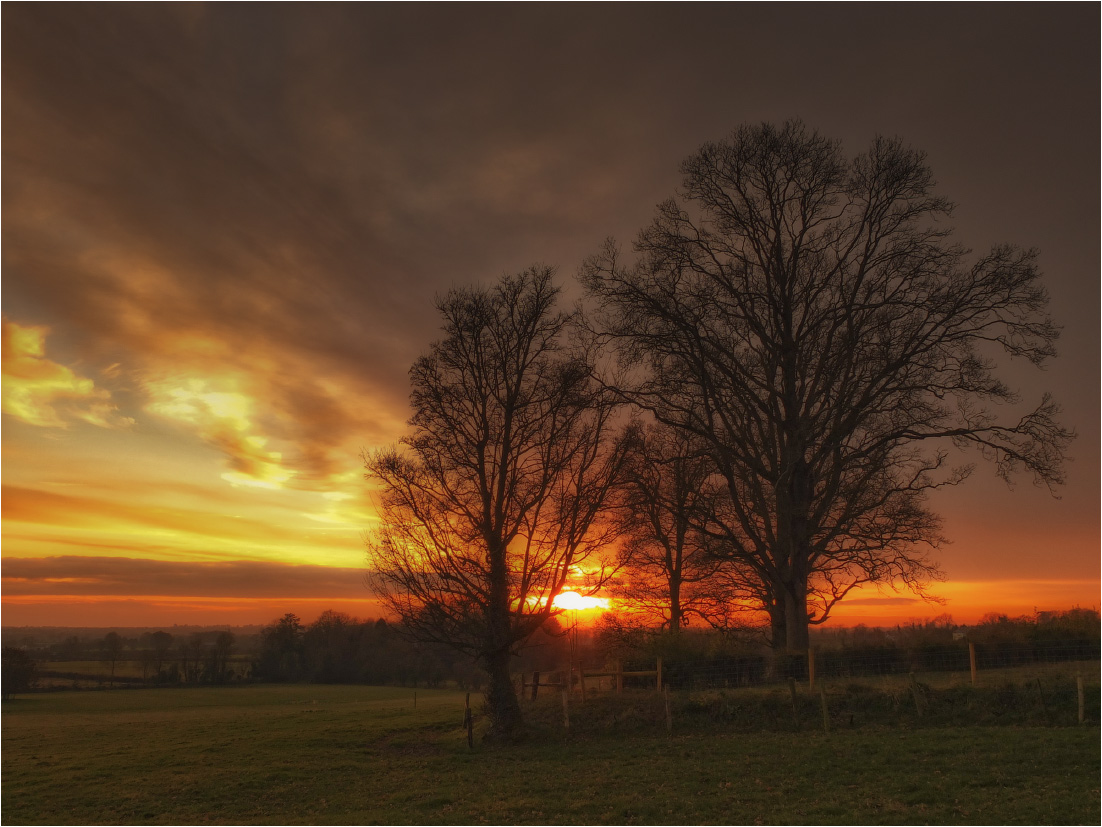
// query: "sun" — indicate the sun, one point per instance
point(572, 601)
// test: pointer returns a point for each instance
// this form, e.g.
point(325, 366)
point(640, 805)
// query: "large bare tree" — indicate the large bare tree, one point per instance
point(498, 495)
point(808, 317)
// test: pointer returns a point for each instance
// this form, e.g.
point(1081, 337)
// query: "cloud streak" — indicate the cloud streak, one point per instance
point(125, 576)
point(38, 522)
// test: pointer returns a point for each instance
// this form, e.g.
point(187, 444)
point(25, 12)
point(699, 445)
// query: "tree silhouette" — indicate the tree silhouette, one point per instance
point(112, 649)
point(671, 572)
point(218, 667)
point(281, 655)
point(499, 493)
point(809, 319)
point(18, 672)
point(162, 644)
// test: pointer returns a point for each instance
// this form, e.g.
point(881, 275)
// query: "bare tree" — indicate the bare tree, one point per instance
point(498, 495)
point(218, 666)
point(162, 643)
point(112, 650)
point(809, 319)
point(670, 571)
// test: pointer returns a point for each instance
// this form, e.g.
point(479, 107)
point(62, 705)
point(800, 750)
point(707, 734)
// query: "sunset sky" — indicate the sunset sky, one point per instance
point(224, 227)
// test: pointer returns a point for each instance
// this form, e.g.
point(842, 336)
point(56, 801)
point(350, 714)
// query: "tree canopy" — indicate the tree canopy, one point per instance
point(808, 318)
point(498, 494)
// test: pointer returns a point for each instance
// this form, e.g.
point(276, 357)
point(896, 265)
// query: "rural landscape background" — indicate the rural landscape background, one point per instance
point(271, 269)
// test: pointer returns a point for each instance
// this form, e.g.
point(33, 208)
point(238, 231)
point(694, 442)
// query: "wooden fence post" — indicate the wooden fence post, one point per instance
point(566, 706)
point(468, 722)
point(972, 660)
point(810, 668)
point(1079, 690)
point(659, 670)
point(619, 677)
point(535, 684)
point(795, 709)
point(917, 694)
point(1044, 706)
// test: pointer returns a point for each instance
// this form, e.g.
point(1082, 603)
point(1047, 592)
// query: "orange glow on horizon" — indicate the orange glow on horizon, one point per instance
point(967, 603)
point(166, 611)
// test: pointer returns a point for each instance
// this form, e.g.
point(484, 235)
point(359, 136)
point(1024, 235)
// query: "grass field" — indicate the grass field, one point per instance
point(342, 754)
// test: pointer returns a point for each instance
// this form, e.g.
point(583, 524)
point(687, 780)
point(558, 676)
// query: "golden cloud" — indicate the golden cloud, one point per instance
point(39, 523)
point(28, 505)
point(42, 392)
point(224, 417)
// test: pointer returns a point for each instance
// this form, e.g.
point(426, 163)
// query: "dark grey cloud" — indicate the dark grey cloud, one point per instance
point(125, 576)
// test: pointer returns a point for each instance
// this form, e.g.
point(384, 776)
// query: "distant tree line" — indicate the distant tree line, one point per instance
point(336, 648)
point(339, 648)
point(159, 656)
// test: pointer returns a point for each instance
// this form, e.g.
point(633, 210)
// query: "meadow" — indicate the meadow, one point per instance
point(313, 754)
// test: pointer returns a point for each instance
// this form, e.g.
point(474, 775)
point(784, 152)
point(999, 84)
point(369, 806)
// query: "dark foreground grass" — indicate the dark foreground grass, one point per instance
point(350, 755)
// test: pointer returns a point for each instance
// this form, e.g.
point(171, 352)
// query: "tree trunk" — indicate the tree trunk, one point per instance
point(676, 614)
point(797, 639)
point(778, 637)
point(501, 699)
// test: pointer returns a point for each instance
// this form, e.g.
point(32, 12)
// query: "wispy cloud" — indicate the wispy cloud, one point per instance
point(225, 419)
point(45, 393)
point(29, 505)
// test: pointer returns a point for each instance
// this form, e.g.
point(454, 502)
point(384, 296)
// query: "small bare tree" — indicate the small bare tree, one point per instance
point(671, 572)
point(162, 643)
point(807, 317)
point(112, 650)
point(498, 496)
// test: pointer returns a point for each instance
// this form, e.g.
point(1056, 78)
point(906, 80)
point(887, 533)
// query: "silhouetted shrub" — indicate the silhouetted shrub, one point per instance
point(17, 673)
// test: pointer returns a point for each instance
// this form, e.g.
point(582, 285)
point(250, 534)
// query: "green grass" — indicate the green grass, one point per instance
point(1048, 673)
point(328, 754)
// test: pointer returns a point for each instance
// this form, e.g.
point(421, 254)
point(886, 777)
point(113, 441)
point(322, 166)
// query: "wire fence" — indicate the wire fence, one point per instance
point(1041, 683)
point(960, 660)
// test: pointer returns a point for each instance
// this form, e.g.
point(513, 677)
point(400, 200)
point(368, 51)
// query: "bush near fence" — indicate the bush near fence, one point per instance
point(854, 705)
point(763, 669)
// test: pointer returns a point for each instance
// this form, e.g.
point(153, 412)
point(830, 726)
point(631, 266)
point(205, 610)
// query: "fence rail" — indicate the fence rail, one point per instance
point(970, 660)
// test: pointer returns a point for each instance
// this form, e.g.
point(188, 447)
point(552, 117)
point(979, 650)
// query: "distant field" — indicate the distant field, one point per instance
point(343, 754)
point(85, 672)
